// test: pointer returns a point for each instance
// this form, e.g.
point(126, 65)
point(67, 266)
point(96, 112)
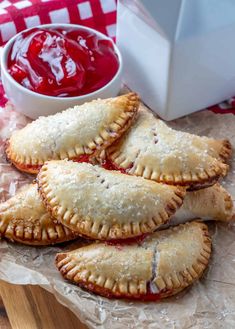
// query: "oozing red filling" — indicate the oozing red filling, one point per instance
point(29, 166)
point(149, 296)
point(62, 62)
point(120, 243)
point(33, 166)
point(109, 165)
point(82, 158)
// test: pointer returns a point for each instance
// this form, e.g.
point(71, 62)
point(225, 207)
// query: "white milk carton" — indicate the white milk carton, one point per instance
point(179, 55)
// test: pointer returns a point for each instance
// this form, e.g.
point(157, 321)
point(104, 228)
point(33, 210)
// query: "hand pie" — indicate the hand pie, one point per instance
point(103, 204)
point(77, 133)
point(23, 218)
point(213, 202)
point(162, 265)
point(153, 150)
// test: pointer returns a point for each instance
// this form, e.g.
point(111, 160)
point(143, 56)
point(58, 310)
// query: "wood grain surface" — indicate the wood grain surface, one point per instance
point(4, 322)
point(31, 307)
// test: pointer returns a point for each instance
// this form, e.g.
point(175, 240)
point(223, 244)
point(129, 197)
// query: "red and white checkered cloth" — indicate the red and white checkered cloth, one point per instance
point(17, 15)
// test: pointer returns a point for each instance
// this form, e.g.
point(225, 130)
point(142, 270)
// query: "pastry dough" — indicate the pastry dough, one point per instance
point(23, 218)
point(76, 133)
point(153, 150)
point(162, 265)
point(211, 203)
point(103, 204)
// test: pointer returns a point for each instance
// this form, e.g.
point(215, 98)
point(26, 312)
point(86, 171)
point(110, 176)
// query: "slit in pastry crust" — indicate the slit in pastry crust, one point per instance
point(103, 204)
point(164, 264)
point(154, 151)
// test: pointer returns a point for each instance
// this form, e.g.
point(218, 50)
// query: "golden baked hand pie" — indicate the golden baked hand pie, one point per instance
point(160, 266)
point(211, 203)
point(153, 150)
point(77, 133)
point(103, 204)
point(23, 218)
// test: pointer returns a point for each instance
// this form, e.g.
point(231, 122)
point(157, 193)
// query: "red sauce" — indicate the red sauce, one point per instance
point(82, 158)
point(109, 165)
point(120, 243)
point(28, 167)
point(149, 296)
point(63, 63)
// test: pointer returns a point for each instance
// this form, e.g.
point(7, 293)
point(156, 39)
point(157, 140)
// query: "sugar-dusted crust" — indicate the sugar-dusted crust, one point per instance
point(153, 150)
point(78, 131)
point(23, 218)
point(104, 204)
point(164, 264)
point(192, 245)
point(219, 149)
point(212, 203)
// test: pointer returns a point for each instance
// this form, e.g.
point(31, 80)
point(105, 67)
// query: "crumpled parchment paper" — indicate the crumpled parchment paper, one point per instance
point(209, 303)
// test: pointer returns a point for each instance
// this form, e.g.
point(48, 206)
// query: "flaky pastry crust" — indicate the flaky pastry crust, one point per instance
point(211, 203)
point(164, 264)
point(23, 218)
point(153, 150)
point(103, 204)
point(81, 131)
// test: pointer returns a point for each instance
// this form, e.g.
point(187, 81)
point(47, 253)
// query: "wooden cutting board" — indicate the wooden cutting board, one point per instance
point(31, 307)
point(4, 322)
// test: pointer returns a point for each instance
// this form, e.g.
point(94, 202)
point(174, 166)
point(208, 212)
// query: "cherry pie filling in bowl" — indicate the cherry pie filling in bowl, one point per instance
point(62, 62)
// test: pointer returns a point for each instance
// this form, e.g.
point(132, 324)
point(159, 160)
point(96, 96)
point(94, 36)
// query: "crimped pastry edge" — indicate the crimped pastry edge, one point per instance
point(107, 136)
point(226, 150)
point(62, 262)
point(191, 181)
point(33, 237)
point(134, 230)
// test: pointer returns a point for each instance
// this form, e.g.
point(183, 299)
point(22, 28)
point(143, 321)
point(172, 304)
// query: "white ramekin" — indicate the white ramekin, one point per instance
point(33, 104)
